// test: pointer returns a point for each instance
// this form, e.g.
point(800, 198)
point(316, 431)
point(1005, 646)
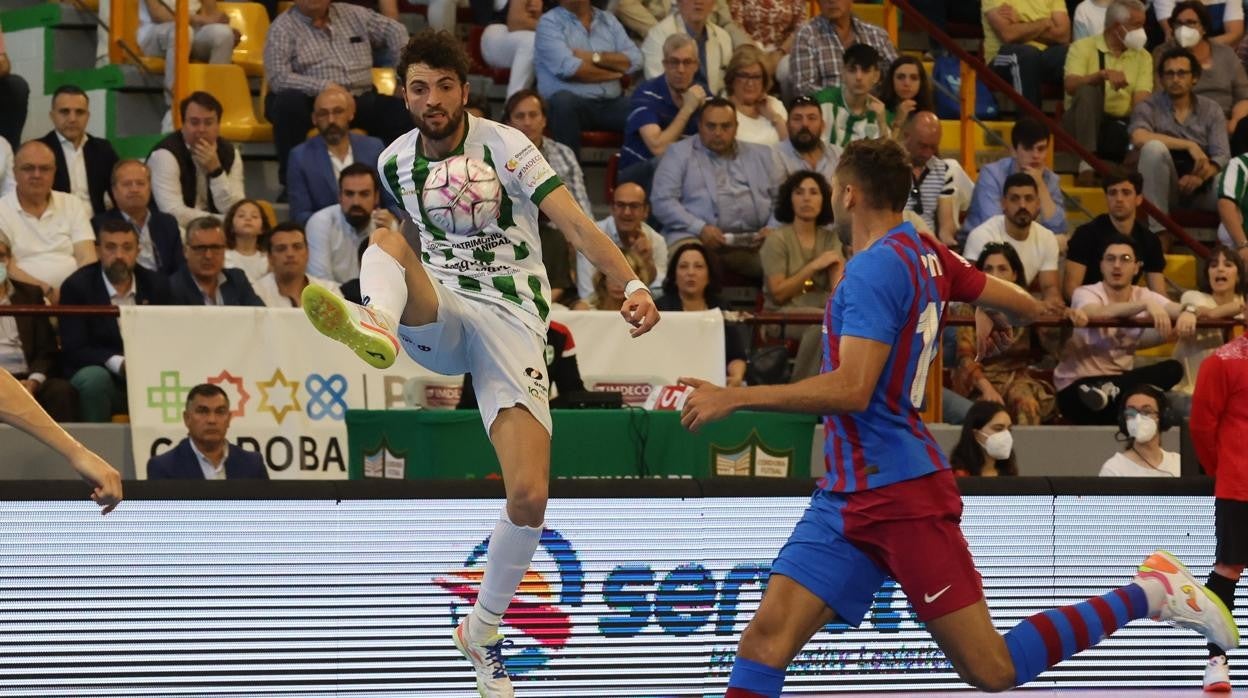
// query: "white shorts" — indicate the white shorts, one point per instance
point(507, 361)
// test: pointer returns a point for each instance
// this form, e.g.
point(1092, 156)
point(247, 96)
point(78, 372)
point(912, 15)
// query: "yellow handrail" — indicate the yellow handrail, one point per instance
point(182, 53)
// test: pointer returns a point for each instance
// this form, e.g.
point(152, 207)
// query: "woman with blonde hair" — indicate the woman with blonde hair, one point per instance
point(761, 118)
point(609, 295)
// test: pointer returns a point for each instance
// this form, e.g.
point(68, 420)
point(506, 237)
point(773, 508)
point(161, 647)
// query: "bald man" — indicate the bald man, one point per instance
point(50, 230)
point(932, 196)
point(626, 226)
point(311, 173)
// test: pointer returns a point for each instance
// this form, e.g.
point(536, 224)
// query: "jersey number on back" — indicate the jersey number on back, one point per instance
point(928, 328)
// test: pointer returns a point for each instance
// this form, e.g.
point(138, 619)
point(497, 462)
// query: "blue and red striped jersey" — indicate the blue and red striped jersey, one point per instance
point(894, 292)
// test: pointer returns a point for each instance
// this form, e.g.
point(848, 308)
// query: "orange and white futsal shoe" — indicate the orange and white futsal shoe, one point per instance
point(487, 660)
point(1217, 675)
point(367, 331)
point(1188, 604)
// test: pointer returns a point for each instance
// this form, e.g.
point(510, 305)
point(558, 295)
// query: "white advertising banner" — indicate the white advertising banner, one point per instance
point(290, 388)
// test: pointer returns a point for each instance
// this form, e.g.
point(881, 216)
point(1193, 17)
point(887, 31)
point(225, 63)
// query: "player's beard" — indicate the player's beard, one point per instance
point(453, 120)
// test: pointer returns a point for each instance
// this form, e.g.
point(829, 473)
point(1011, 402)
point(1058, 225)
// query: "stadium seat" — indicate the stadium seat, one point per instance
point(1181, 270)
point(228, 83)
point(252, 22)
point(270, 213)
point(500, 76)
point(870, 13)
point(385, 80)
point(122, 35)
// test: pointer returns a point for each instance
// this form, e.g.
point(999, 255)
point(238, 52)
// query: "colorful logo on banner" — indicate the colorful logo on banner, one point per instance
point(279, 395)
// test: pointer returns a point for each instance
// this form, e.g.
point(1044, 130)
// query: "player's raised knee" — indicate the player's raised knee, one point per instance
point(526, 503)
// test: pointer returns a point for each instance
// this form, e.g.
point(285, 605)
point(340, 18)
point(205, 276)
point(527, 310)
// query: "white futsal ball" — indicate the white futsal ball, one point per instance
point(462, 195)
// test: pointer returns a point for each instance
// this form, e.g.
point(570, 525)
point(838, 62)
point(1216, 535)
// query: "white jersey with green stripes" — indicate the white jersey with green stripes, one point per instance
point(501, 264)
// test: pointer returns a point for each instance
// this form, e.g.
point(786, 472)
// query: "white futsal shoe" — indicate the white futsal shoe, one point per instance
point(1188, 604)
point(487, 660)
point(1217, 675)
point(367, 331)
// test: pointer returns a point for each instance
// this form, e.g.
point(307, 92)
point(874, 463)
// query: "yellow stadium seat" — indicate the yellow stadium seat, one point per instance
point(385, 80)
point(284, 5)
point(1181, 270)
point(252, 22)
point(1091, 198)
point(123, 33)
point(870, 13)
point(269, 213)
point(228, 83)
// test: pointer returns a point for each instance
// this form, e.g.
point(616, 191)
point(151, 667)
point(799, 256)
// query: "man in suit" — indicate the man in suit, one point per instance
point(28, 346)
point(205, 280)
point(160, 239)
point(206, 453)
point(315, 164)
point(91, 347)
point(84, 163)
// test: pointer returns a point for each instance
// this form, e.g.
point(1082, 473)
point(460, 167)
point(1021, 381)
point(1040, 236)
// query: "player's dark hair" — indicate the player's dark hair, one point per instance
point(718, 103)
point(357, 169)
point(1224, 252)
point(437, 49)
point(1179, 52)
point(967, 455)
point(289, 227)
point(881, 168)
point(862, 56)
point(1006, 250)
point(1202, 15)
point(713, 286)
point(69, 90)
point(1018, 179)
point(923, 101)
point(205, 390)
point(1028, 132)
point(514, 101)
point(115, 225)
point(202, 99)
point(1120, 239)
point(1118, 175)
point(784, 201)
point(266, 226)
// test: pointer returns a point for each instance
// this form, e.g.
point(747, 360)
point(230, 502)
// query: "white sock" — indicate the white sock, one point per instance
point(1156, 593)
point(383, 285)
point(507, 559)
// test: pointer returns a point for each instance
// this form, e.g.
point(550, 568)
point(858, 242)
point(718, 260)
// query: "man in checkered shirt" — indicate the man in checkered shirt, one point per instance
point(819, 48)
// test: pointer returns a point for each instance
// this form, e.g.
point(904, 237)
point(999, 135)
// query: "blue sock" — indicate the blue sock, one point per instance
point(1047, 638)
point(754, 679)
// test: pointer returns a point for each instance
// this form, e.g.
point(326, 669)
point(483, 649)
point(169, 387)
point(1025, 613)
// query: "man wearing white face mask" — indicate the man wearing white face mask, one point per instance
point(1140, 421)
point(1106, 76)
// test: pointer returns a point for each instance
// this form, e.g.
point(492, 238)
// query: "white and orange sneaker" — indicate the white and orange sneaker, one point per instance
point(367, 331)
point(1217, 675)
point(487, 660)
point(1188, 604)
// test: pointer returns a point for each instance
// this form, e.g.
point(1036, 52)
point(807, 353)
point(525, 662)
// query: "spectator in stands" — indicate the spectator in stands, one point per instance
point(1225, 23)
point(317, 44)
point(1106, 76)
point(7, 181)
point(315, 164)
point(663, 111)
point(1089, 18)
point(160, 239)
point(14, 95)
point(288, 257)
point(714, 46)
point(805, 148)
point(1025, 42)
point(609, 295)
point(507, 42)
point(802, 262)
point(205, 280)
point(247, 239)
point(772, 26)
point(478, 106)
point(206, 453)
point(212, 38)
point(196, 172)
point(761, 118)
point(986, 445)
point(28, 345)
point(1016, 225)
point(820, 44)
point(336, 232)
point(640, 16)
point(526, 111)
point(1181, 137)
point(1142, 416)
point(850, 110)
point(1222, 289)
point(91, 347)
point(711, 186)
point(1232, 188)
point(83, 162)
point(627, 228)
point(1222, 75)
point(1098, 364)
point(1123, 196)
point(581, 53)
point(906, 90)
point(932, 196)
point(50, 230)
point(1030, 142)
point(692, 283)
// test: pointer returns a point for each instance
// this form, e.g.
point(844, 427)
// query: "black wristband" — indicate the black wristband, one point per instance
point(216, 173)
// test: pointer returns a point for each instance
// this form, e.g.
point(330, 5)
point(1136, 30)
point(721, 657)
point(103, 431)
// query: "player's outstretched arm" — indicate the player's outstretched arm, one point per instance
point(846, 389)
point(19, 408)
point(583, 233)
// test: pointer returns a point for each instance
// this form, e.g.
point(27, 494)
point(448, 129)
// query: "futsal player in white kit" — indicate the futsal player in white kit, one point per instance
point(476, 304)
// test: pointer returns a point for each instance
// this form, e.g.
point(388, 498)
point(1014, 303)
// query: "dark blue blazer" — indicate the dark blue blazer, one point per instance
point(91, 340)
point(166, 237)
point(310, 181)
point(180, 463)
point(235, 290)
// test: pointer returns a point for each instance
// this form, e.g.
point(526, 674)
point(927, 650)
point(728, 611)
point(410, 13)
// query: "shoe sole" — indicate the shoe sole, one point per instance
point(1209, 595)
point(331, 317)
point(1218, 688)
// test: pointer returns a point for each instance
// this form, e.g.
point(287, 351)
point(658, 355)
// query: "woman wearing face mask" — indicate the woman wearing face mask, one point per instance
point(1140, 422)
point(986, 447)
point(1222, 76)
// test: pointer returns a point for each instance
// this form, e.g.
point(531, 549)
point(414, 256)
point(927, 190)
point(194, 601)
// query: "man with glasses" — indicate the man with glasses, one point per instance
point(312, 171)
point(205, 280)
point(1181, 138)
point(691, 19)
point(1098, 364)
point(196, 172)
point(91, 348)
point(662, 111)
point(627, 228)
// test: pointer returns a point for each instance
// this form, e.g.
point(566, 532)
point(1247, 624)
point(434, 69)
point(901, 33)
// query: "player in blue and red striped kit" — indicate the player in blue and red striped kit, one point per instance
point(888, 506)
